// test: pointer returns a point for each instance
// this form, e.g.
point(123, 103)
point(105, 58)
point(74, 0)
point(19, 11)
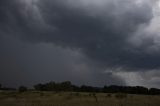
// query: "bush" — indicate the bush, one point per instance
point(108, 95)
point(121, 95)
point(22, 89)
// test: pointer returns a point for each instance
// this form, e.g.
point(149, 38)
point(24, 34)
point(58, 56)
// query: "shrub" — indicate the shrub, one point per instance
point(109, 95)
point(94, 95)
point(22, 89)
point(121, 95)
point(77, 94)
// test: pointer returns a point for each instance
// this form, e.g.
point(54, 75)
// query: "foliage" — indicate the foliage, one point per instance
point(108, 95)
point(52, 86)
point(154, 91)
point(68, 86)
point(121, 95)
point(22, 89)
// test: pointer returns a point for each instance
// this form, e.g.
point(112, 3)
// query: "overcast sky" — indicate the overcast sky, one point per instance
point(94, 42)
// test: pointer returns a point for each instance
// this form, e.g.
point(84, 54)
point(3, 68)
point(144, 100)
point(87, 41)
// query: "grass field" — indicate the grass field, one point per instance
point(75, 99)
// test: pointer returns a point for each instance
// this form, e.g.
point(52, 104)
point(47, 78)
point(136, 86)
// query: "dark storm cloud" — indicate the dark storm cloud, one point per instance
point(28, 64)
point(100, 31)
point(97, 29)
point(101, 36)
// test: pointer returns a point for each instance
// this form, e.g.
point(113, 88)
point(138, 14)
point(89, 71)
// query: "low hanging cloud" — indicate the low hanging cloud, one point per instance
point(108, 34)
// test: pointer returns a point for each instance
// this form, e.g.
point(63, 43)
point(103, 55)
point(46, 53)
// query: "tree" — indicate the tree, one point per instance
point(50, 86)
point(39, 87)
point(66, 86)
point(154, 91)
point(22, 89)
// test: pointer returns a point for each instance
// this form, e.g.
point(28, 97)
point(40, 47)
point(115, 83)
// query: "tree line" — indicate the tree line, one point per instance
point(6, 88)
point(68, 86)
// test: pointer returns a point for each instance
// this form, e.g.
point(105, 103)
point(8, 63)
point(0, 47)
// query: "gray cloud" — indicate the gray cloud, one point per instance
point(105, 34)
point(23, 63)
point(149, 78)
point(100, 34)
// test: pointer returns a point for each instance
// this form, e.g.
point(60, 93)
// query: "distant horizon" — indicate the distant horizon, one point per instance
point(79, 85)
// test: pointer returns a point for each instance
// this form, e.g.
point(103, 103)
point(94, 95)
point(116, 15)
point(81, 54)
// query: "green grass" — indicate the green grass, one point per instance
point(75, 99)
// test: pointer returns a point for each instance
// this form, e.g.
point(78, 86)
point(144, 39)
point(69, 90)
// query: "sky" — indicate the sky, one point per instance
point(92, 42)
